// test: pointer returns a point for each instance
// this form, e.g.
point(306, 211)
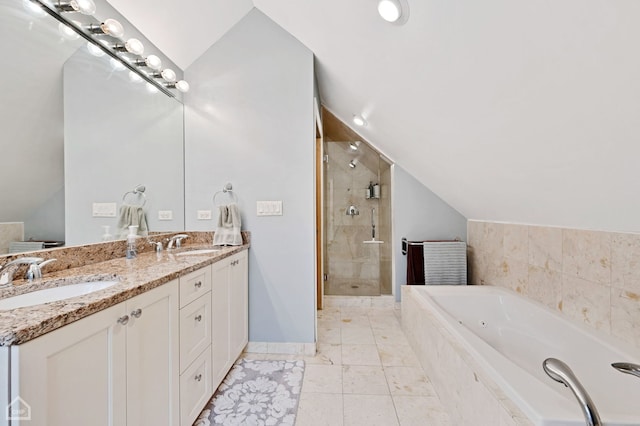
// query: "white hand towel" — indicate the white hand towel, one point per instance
point(229, 224)
point(129, 216)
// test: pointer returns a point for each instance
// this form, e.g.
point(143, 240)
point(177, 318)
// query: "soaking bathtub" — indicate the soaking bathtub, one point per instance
point(483, 348)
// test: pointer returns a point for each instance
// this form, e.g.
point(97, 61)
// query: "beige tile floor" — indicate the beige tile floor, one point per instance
point(365, 373)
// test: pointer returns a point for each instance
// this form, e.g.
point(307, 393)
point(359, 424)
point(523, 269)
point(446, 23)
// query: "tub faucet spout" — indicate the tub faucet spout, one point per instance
point(627, 367)
point(560, 372)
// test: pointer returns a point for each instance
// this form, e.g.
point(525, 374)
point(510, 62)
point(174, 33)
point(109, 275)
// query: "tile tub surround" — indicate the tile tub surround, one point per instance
point(590, 276)
point(10, 232)
point(147, 271)
point(468, 395)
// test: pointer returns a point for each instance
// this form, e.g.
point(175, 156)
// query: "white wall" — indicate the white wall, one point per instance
point(419, 214)
point(249, 121)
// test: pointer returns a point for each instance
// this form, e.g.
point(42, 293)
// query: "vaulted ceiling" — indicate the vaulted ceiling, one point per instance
point(510, 110)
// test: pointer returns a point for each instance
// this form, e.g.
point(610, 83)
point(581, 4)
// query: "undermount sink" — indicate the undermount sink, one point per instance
point(200, 251)
point(47, 295)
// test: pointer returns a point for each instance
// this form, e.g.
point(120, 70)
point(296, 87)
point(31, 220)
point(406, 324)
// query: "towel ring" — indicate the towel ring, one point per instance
point(228, 188)
point(137, 191)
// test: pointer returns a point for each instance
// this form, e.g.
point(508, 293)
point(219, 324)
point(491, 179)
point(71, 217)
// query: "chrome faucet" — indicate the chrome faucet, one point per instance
point(560, 372)
point(627, 367)
point(177, 239)
point(8, 270)
point(157, 245)
point(35, 269)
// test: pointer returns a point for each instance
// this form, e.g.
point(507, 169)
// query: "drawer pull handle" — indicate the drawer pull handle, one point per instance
point(199, 318)
point(137, 313)
point(198, 284)
point(198, 377)
point(123, 320)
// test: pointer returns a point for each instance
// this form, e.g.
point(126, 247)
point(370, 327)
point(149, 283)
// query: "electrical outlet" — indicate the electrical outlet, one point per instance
point(165, 214)
point(269, 208)
point(104, 209)
point(204, 214)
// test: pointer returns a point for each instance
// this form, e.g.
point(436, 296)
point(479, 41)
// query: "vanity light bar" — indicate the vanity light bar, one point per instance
point(128, 53)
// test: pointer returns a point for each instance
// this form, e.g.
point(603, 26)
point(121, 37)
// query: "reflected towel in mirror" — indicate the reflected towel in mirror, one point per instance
point(228, 230)
point(132, 216)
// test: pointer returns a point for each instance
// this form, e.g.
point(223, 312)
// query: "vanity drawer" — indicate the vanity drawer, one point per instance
point(195, 329)
point(195, 388)
point(194, 285)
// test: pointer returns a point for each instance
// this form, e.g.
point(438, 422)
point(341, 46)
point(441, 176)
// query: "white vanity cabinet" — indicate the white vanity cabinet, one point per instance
point(195, 344)
point(229, 295)
point(116, 367)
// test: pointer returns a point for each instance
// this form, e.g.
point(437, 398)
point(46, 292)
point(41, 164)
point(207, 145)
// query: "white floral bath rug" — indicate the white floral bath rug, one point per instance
point(256, 393)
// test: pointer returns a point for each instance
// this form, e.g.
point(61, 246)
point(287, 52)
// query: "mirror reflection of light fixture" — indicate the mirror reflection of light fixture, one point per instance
point(353, 163)
point(358, 120)
point(86, 7)
point(95, 50)
point(134, 77)
point(394, 11)
point(67, 32)
point(117, 65)
point(354, 145)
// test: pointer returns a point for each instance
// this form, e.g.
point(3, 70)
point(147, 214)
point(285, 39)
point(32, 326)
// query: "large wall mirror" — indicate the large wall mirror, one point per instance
point(77, 131)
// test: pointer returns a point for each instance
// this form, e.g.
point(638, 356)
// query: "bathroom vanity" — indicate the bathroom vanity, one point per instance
point(150, 350)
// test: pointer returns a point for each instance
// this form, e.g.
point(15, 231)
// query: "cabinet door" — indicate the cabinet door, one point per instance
point(239, 314)
point(74, 375)
point(152, 358)
point(221, 361)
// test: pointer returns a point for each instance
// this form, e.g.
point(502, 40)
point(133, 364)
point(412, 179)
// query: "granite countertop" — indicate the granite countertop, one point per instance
point(135, 276)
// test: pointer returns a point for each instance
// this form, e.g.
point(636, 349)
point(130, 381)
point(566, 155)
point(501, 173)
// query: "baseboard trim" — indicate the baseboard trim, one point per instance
point(307, 349)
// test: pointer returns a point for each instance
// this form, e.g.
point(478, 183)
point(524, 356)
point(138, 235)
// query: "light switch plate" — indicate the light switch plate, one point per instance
point(104, 209)
point(165, 214)
point(269, 208)
point(204, 214)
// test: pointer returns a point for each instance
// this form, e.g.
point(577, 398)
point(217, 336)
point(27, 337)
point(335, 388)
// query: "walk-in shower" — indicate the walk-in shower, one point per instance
point(357, 219)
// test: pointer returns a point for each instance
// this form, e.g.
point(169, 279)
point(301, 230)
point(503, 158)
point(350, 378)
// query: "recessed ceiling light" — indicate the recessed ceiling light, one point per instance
point(358, 120)
point(395, 11)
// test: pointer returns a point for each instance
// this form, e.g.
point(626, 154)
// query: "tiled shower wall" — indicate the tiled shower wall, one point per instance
point(590, 276)
point(10, 232)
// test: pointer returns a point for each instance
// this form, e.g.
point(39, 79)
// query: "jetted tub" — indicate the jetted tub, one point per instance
point(483, 348)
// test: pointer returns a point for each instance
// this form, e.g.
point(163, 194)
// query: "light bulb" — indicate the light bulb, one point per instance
point(112, 27)
point(117, 65)
point(168, 74)
point(153, 62)
point(67, 32)
point(389, 10)
point(182, 86)
point(86, 7)
point(354, 145)
point(359, 121)
point(95, 50)
point(133, 45)
point(134, 77)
